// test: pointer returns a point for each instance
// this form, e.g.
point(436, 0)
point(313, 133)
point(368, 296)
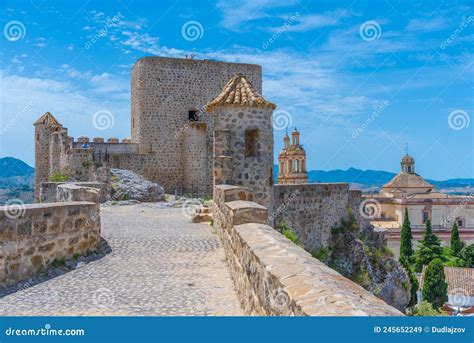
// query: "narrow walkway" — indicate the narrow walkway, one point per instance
point(160, 264)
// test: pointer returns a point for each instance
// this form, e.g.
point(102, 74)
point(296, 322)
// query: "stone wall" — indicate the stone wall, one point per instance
point(110, 148)
point(49, 190)
point(312, 210)
point(195, 160)
point(163, 91)
point(273, 276)
point(231, 160)
point(31, 238)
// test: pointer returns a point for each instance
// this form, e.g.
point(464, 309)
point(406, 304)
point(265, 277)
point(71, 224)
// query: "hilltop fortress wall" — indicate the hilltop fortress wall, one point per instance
point(273, 276)
point(167, 96)
point(312, 210)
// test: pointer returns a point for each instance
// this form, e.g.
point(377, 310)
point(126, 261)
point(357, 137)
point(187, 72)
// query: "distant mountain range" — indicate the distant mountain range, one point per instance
point(373, 180)
point(10, 166)
point(17, 180)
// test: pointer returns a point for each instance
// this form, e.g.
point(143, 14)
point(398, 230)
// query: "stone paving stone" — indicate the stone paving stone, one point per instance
point(160, 264)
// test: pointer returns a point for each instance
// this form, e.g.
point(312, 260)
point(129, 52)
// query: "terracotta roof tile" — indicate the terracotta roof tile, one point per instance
point(239, 92)
point(407, 180)
point(460, 280)
point(48, 119)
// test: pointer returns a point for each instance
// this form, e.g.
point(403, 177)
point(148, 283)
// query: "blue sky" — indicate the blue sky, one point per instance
point(360, 80)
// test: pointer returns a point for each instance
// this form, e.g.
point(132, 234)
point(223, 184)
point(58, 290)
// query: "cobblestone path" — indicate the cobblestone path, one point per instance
point(160, 264)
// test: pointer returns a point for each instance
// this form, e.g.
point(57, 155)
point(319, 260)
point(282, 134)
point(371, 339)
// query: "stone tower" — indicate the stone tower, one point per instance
point(408, 164)
point(243, 139)
point(292, 161)
point(167, 95)
point(44, 127)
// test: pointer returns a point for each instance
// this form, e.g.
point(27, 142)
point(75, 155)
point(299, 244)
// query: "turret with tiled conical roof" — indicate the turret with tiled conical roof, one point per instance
point(243, 139)
point(239, 92)
point(47, 119)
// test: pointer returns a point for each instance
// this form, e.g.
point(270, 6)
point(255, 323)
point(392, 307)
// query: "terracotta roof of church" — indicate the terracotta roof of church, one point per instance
point(460, 280)
point(407, 180)
point(48, 119)
point(238, 91)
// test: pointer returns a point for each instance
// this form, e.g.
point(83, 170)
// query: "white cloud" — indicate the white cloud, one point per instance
point(316, 21)
point(235, 13)
point(72, 105)
point(428, 24)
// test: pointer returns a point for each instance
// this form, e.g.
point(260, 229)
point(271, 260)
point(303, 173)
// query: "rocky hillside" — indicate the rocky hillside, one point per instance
point(361, 256)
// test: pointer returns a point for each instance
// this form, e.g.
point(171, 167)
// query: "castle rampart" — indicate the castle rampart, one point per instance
point(312, 210)
point(273, 276)
point(167, 96)
point(41, 233)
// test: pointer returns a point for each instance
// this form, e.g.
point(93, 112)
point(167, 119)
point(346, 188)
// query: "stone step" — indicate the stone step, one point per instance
point(204, 210)
point(199, 218)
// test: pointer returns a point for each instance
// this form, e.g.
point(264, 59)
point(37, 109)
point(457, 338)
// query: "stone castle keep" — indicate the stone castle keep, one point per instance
point(171, 133)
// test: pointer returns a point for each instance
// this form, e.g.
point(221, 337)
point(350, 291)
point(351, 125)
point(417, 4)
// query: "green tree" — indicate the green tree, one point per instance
point(428, 249)
point(467, 254)
point(406, 248)
point(426, 309)
point(413, 280)
point(456, 244)
point(435, 288)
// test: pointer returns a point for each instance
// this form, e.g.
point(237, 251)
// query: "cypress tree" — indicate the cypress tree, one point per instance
point(428, 249)
point(456, 244)
point(406, 248)
point(413, 280)
point(435, 288)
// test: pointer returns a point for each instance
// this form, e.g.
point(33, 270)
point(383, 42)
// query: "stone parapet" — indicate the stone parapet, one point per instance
point(273, 276)
point(49, 190)
point(73, 192)
point(33, 236)
point(324, 204)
